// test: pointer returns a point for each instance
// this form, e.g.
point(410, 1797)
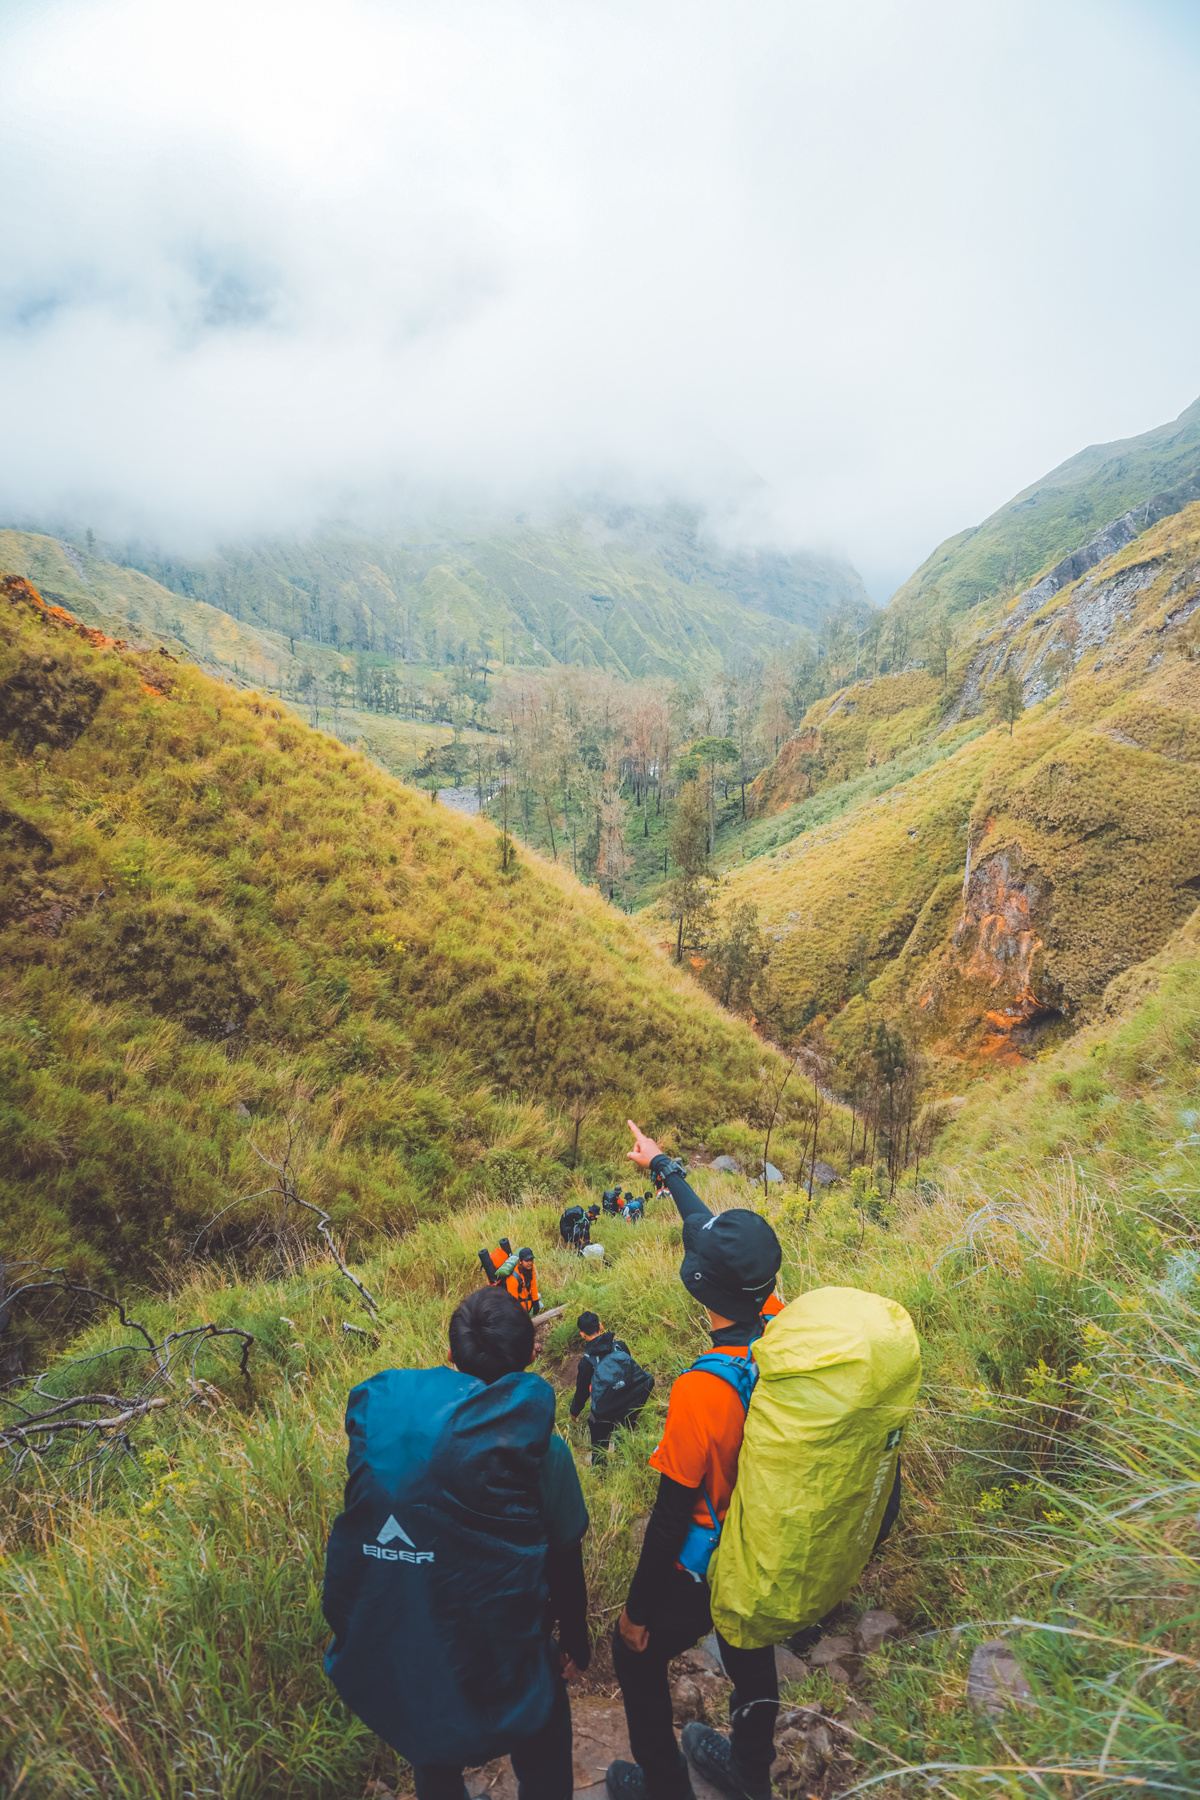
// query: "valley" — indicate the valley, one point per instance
point(885, 921)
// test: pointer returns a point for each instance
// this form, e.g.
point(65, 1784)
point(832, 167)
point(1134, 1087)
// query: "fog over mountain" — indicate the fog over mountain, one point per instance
point(842, 277)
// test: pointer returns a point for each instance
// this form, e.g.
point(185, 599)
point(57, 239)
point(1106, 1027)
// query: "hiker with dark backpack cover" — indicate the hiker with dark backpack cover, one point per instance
point(458, 1550)
point(607, 1375)
point(568, 1222)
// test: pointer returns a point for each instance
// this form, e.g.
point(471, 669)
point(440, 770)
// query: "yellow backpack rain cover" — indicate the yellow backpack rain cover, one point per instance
point(838, 1376)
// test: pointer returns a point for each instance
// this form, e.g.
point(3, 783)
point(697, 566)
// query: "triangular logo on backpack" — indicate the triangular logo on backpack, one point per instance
point(393, 1529)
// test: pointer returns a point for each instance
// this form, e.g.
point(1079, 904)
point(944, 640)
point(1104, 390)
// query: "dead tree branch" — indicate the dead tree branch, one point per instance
point(95, 1426)
point(288, 1189)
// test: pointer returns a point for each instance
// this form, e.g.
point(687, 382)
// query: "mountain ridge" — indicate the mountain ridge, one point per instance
point(630, 591)
point(1055, 514)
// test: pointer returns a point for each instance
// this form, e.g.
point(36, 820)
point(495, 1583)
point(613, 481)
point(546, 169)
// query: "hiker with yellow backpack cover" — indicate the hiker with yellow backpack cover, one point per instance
point(779, 1475)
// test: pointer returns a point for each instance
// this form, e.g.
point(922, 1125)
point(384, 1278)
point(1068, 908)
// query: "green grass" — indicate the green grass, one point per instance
point(165, 1636)
point(426, 1025)
point(1089, 805)
point(285, 933)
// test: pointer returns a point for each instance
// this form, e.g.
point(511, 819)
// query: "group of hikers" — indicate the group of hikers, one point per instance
point(575, 1224)
point(454, 1580)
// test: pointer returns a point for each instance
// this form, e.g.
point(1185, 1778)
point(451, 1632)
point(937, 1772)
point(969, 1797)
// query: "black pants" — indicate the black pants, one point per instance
point(542, 1763)
point(601, 1430)
point(683, 1619)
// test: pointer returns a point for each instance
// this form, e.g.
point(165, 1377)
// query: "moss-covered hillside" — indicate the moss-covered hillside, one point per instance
point(214, 921)
point(1082, 823)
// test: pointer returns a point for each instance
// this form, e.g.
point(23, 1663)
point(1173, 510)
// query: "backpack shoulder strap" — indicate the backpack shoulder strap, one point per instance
point(741, 1372)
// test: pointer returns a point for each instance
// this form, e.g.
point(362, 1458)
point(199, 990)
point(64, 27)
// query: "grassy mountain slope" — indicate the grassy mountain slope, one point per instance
point(1083, 824)
point(1056, 514)
point(164, 1636)
point(128, 604)
point(637, 594)
point(214, 920)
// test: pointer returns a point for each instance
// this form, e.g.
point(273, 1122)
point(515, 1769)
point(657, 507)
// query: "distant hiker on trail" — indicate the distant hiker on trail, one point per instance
point(607, 1376)
point(499, 1263)
point(458, 1550)
point(778, 1477)
point(522, 1283)
point(575, 1226)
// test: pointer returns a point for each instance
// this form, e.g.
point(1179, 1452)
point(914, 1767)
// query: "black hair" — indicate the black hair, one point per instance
point(491, 1335)
point(588, 1323)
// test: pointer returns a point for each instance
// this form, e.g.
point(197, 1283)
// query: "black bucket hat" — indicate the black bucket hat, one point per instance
point(730, 1262)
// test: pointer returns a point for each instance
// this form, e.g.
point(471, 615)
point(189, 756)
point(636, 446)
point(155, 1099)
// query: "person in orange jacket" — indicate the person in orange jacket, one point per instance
point(522, 1283)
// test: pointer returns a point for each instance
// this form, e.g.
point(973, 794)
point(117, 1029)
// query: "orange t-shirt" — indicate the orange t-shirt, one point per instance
point(702, 1437)
point(773, 1305)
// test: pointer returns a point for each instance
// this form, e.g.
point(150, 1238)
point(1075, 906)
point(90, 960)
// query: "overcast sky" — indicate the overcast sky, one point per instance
point(849, 273)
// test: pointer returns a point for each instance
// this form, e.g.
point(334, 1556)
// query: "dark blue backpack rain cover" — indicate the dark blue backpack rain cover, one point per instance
point(435, 1575)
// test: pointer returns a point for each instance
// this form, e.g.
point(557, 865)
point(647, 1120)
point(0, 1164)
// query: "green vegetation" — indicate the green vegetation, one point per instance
point(216, 920)
point(249, 982)
point(1055, 515)
point(1079, 810)
point(638, 594)
point(164, 1635)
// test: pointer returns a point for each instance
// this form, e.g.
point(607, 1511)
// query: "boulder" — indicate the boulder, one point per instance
point(874, 1628)
point(726, 1165)
point(823, 1174)
point(772, 1173)
point(995, 1679)
point(831, 1650)
point(686, 1700)
point(703, 1660)
point(789, 1666)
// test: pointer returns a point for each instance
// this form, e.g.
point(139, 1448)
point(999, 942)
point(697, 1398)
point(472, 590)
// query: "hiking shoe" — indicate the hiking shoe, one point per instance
point(711, 1755)
point(627, 1781)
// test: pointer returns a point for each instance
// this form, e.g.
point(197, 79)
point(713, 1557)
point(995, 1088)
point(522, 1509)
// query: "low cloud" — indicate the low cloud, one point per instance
point(846, 276)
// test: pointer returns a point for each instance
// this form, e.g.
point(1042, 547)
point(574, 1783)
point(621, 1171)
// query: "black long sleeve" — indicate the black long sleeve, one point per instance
point(686, 1198)
point(583, 1386)
point(666, 1529)
point(568, 1601)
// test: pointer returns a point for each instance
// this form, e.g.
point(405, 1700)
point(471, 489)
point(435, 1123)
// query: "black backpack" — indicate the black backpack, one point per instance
point(618, 1384)
point(569, 1223)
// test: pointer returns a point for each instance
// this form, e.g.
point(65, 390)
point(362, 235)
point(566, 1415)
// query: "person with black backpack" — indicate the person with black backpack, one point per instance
point(569, 1223)
point(617, 1387)
point(575, 1226)
point(459, 1549)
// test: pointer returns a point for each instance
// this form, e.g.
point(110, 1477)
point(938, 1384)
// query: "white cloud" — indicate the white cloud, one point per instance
point(852, 274)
